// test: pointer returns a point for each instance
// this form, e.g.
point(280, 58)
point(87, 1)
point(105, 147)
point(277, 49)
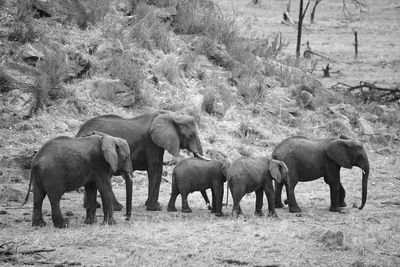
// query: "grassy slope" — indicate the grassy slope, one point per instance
point(162, 238)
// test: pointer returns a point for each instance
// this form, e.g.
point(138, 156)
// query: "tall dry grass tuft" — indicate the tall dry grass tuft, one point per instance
point(24, 28)
point(125, 68)
point(169, 68)
point(148, 30)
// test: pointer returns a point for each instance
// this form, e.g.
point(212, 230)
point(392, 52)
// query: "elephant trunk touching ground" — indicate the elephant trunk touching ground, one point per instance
point(365, 170)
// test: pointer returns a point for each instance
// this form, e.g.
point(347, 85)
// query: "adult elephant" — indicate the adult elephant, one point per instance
point(64, 164)
point(148, 136)
point(310, 159)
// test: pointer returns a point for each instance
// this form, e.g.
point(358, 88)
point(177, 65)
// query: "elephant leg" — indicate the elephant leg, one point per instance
point(172, 200)
point(85, 204)
point(259, 202)
point(217, 199)
point(38, 196)
point(204, 194)
point(128, 192)
point(213, 207)
point(342, 195)
point(185, 204)
point(278, 197)
point(154, 172)
point(237, 196)
point(58, 220)
point(334, 187)
point(269, 192)
point(106, 193)
point(91, 203)
point(293, 206)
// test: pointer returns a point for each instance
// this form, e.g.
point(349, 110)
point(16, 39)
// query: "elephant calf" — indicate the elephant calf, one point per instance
point(247, 174)
point(191, 175)
point(64, 164)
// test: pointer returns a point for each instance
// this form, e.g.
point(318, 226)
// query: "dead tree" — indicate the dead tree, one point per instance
point(300, 26)
point(372, 92)
point(313, 11)
point(326, 71)
point(355, 45)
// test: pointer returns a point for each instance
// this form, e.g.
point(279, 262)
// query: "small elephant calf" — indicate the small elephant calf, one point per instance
point(64, 164)
point(248, 174)
point(193, 174)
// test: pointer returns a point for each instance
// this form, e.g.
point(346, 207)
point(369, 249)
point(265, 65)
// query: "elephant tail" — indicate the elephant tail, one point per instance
point(29, 188)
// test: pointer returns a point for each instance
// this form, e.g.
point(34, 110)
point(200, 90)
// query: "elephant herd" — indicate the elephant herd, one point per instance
point(111, 145)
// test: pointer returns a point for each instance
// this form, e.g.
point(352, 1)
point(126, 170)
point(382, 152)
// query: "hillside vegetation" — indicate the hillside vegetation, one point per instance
point(231, 65)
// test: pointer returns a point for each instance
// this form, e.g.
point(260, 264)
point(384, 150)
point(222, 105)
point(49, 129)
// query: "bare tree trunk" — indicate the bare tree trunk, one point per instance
point(300, 26)
point(355, 45)
point(313, 11)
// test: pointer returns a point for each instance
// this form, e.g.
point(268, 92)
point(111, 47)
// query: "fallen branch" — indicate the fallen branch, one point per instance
point(28, 252)
point(6, 243)
point(389, 95)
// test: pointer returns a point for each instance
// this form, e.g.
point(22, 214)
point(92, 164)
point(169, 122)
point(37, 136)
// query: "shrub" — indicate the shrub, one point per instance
point(127, 69)
point(54, 67)
point(23, 29)
point(98, 9)
point(149, 31)
point(209, 101)
point(168, 67)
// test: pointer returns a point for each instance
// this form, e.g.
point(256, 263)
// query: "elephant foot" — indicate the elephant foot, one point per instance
point(154, 207)
point(219, 214)
point(294, 209)
point(63, 224)
point(259, 213)
point(279, 205)
point(272, 214)
point(109, 221)
point(117, 206)
point(91, 220)
point(236, 213)
point(342, 204)
point(209, 207)
point(38, 223)
point(187, 210)
point(171, 208)
point(335, 209)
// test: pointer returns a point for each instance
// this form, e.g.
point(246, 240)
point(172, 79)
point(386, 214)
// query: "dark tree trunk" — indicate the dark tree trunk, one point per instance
point(299, 28)
point(355, 45)
point(313, 11)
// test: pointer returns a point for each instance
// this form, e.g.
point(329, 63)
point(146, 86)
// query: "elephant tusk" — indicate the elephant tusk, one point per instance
point(197, 155)
point(363, 172)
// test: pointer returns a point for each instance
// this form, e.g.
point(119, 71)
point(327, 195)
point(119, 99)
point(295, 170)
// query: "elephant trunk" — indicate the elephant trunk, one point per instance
point(365, 175)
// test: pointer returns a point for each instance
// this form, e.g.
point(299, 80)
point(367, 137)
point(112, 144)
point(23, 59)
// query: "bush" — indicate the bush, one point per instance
point(127, 69)
point(149, 31)
point(168, 67)
point(209, 101)
point(98, 9)
point(23, 29)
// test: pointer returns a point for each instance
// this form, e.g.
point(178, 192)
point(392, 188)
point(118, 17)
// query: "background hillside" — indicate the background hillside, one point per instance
point(230, 64)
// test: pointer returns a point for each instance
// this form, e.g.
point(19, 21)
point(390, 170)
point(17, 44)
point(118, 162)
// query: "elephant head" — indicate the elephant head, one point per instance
point(172, 132)
point(278, 170)
point(349, 153)
point(117, 154)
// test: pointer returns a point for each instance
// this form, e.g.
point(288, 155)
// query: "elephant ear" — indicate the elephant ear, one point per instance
point(338, 151)
point(124, 154)
point(110, 153)
point(278, 170)
point(164, 134)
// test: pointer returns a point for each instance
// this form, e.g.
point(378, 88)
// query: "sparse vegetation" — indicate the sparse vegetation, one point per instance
point(231, 55)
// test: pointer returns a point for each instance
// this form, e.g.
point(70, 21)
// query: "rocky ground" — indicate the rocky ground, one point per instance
point(237, 115)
